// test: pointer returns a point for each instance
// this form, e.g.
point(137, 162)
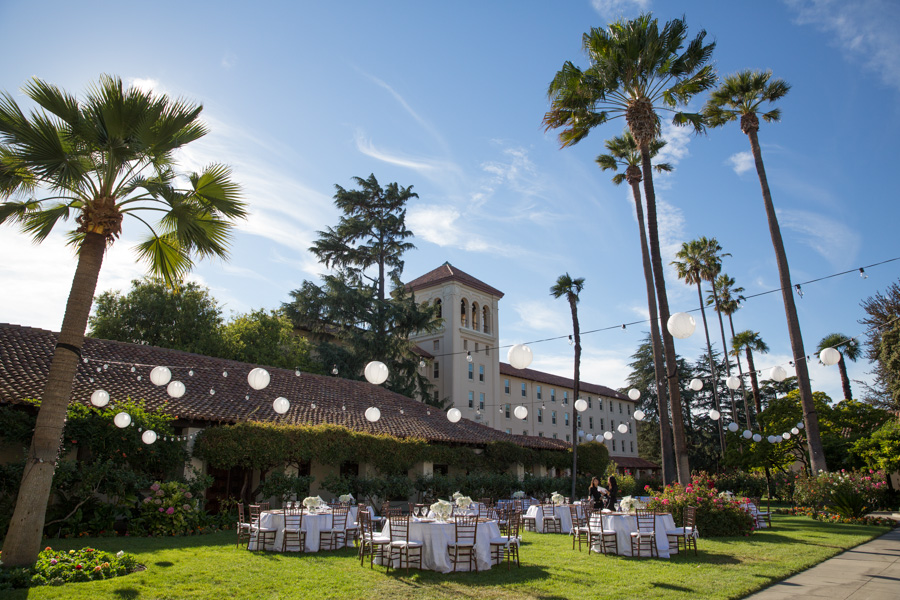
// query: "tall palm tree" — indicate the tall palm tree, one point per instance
point(742, 95)
point(849, 349)
point(749, 341)
point(571, 288)
point(727, 300)
point(623, 152)
point(692, 260)
point(637, 69)
point(99, 160)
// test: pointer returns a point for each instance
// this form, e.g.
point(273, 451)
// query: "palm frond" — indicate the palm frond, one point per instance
point(217, 193)
point(165, 257)
point(39, 223)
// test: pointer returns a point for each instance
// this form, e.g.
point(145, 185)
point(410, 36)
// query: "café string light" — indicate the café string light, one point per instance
point(376, 372)
point(681, 325)
point(519, 356)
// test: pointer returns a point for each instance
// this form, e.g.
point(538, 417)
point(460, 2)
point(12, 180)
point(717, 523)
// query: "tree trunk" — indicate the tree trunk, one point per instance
point(727, 361)
point(737, 359)
point(23, 539)
point(682, 462)
point(667, 450)
point(576, 331)
point(810, 418)
point(754, 382)
point(845, 381)
point(713, 375)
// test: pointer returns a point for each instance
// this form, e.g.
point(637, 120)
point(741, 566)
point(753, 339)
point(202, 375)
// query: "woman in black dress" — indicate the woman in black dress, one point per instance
point(613, 493)
point(596, 493)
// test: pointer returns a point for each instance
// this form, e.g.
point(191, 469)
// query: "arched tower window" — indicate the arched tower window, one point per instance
point(464, 313)
point(486, 319)
point(440, 308)
point(475, 316)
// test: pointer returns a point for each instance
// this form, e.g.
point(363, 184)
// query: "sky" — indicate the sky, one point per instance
point(448, 98)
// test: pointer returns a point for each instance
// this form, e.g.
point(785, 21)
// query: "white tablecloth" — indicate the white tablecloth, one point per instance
point(565, 518)
point(624, 524)
point(312, 525)
point(436, 536)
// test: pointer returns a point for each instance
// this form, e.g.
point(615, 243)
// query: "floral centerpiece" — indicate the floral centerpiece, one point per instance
point(463, 502)
point(346, 499)
point(557, 498)
point(630, 504)
point(518, 495)
point(456, 495)
point(442, 509)
point(726, 495)
point(312, 502)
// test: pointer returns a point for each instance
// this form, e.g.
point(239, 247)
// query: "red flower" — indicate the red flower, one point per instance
point(77, 567)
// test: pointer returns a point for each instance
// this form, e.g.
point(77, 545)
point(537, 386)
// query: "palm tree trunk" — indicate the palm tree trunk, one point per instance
point(667, 450)
point(810, 418)
point(682, 463)
point(737, 359)
point(712, 373)
point(23, 540)
point(576, 390)
point(845, 381)
point(727, 361)
point(754, 382)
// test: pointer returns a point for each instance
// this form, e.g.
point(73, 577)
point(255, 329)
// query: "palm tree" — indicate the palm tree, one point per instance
point(623, 152)
point(849, 349)
point(571, 288)
point(749, 341)
point(741, 95)
point(690, 268)
point(637, 69)
point(727, 300)
point(98, 160)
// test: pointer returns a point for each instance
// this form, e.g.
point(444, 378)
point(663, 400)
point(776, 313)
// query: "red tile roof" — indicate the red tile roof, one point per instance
point(123, 370)
point(447, 272)
point(633, 462)
point(565, 382)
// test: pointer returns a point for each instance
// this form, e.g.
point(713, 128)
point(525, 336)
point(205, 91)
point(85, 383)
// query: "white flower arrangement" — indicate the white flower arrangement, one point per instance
point(557, 498)
point(630, 504)
point(463, 502)
point(726, 495)
point(442, 509)
point(346, 499)
point(457, 495)
point(519, 494)
point(312, 502)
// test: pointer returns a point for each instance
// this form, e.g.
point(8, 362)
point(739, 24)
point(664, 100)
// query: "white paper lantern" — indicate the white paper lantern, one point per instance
point(376, 372)
point(747, 434)
point(175, 389)
point(696, 384)
point(829, 356)
point(757, 437)
point(800, 425)
point(580, 405)
point(639, 415)
point(520, 412)
point(580, 433)
point(681, 325)
point(795, 431)
point(607, 435)
point(589, 437)
point(771, 439)
point(281, 405)
point(100, 398)
point(149, 436)
point(122, 420)
point(732, 426)
point(634, 394)
point(160, 375)
point(372, 414)
point(733, 382)
point(778, 373)
point(519, 356)
point(454, 415)
point(714, 415)
point(258, 378)
point(786, 435)
point(623, 428)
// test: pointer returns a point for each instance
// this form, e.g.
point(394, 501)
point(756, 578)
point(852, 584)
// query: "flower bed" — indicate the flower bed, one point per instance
point(170, 509)
point(830, 517)
point(57, 568)
point(717, 516)
point(848, 493)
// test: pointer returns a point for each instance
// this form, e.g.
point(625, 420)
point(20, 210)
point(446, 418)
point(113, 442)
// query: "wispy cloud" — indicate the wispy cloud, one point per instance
point(146, 85)
point(601, 367)
point(427, 126)
point(422, 165)
point(542, 315)
point(741, 162)
point(229, 60)
point(441, 225)
point(865, 29)
point(836, 242)
point(620, 8)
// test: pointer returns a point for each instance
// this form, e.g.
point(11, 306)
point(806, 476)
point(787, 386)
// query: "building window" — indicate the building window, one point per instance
point(440, 469)
point(465, 344)
point(524, 392)
point(567, 437)
point(553, 417)
point(463, 313)
point(525, 432)
point(437, 369)
point(565, 397)
point(440, 308)
point(481, 373)
point(614, 445)
point(538, 392)
point(554, 436)
point(591, 423)
point(552, 395)
point(509, 431)
point(601, 424)
point(567, 419)
point(475, 316)
point(471, 372)
point(506, 386)
point(620, 408)
point(600, 403)
point(437, 345)
point(435, 395)
point(471, 399)
point(476, 347)
point(481, 401)
point(589, 402)
point(631, 443)
point(540, 434)
point(629, 428)
point(486, 319)
point(540, 415)
point(628, 409)
point(349, 469)
point(506, 407)
point(578, 419)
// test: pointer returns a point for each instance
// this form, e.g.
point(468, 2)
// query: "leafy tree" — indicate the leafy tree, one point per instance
point(351, 312)
point(637, 69)
point(849, 349)
point(624, 152)
point(266, 338)
point(98, 160)
point(750, 341)
point(742, 95)
point(889, 357)
point(185, 317)
point(881, 450)
point(882, 313)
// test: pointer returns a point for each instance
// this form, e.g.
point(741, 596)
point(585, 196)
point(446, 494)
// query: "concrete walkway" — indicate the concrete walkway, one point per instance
point(870, 571)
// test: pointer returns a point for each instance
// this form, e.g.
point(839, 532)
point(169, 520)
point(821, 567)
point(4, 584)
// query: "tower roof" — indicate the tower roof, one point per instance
point(447, 272)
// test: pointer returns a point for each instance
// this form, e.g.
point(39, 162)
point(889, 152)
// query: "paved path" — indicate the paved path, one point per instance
point(870, 571)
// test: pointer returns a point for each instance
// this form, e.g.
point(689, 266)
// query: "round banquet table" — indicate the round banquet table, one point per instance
point(312, 525)
point(436, 535)
point(561, 511)
point(623, 524)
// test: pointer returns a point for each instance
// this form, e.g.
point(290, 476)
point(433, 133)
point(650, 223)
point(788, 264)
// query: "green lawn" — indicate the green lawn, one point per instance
point(210, 567)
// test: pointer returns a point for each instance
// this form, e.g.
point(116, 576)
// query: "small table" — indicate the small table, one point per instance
point(623, 524)
point(561, 511)
point(436, 535)
point(312, 525)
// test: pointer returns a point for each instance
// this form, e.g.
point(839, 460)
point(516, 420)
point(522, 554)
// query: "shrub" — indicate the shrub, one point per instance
point(57, 568)
point(742, 483)
point(284, 486)
point(716, 516)
point(170, 509)
point(818, 490)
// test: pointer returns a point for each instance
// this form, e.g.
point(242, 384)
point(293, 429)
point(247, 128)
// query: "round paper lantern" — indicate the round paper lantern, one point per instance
point(521, 412)
point(829, 356)
point(732, 426)
point(281, 405)
point(372, 414)
point(580, 405)
point(634, 394)
point(376, 372)
point(580, 433)
point(786, 435)
point(778, 373)
point(747, 434)
point(589, 437)
point(623, 428)
point(258, 378)
point(771, 439)
point(454, 415)
point(733, 382)
point(696, 384)
point(100, 398)
point(122, 420)
point(681, 325)
point(639, 415)
point(757, 437)
point(519, 356)
point(800, 425)
point(607, 435)
point(175, 389)
point(160, 375)
point(714, 415)
point(149, 436)
point(795, 431)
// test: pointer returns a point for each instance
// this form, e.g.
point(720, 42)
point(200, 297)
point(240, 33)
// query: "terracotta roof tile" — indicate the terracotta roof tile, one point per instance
point(447, 272)
point(549, 379)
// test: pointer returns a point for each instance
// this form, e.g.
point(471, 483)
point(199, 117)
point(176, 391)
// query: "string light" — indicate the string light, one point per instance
point(799, 290)
point(862, 273)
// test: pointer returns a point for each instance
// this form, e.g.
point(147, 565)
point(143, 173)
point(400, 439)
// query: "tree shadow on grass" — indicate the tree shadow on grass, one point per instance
point(127, 593)
point(673, 587)
point(164, 563)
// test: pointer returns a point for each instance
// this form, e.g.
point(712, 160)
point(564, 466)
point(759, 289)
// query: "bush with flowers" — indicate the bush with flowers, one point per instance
point(830, 517)
point(170, 509)
point(716, 516)
point(59, 567)
point(848, 493)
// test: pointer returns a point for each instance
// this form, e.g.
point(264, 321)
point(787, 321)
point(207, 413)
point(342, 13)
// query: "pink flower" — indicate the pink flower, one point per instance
point(186, 506)
point(155, 487)
point(161, 509)
point(170, 511)
point(160, 493)
point(53, 561)
point(188, 495)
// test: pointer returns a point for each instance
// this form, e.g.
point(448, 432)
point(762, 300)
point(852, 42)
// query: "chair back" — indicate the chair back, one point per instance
point(366, 530)
point(646, 519)
point(548, 510)
point(577, 520)
point(515, 523)
point(690, 517)
point(264, 506)
point(293, 518)
point(399, 528)
point(339, 518)
point(241, 518)
point(255, 510)
point(466, 529)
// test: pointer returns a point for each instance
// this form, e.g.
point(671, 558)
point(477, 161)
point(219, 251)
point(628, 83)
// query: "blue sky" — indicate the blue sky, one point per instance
point(448, 98)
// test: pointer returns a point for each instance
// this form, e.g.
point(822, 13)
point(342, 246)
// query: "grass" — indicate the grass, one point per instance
point(210, 566)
